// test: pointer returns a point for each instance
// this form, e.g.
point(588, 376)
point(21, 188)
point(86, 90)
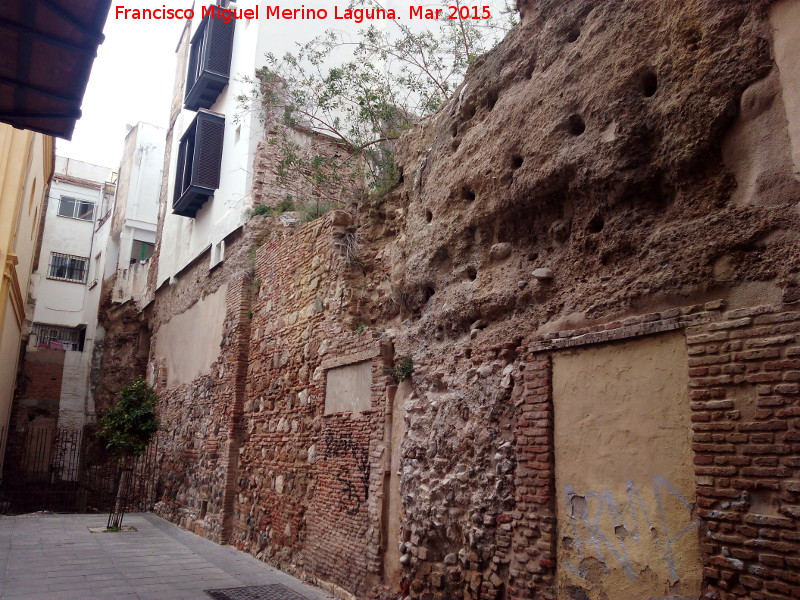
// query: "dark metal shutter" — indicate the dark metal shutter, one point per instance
point(199, 163)
point(208, 150)
point(209, 61)
point(220, 46)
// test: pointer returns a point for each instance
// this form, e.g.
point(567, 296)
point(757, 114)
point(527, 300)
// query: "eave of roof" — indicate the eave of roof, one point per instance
point(47, 48)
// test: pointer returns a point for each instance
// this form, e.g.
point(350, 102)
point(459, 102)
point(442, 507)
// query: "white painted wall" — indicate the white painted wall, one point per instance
point(135, 215)
point(81, 170)
point(62, 302)
point(183, 238)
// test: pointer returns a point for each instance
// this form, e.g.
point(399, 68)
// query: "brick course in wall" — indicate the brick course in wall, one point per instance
point(531, 524)
point(309, 482)
point(744, 369)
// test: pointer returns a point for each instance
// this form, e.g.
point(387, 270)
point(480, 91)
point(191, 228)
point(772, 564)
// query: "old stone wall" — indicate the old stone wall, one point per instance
point(616, 178)
point(201, 412)
point(121, 354)
point(310, 478)
point(608, 172)
point(201, 416)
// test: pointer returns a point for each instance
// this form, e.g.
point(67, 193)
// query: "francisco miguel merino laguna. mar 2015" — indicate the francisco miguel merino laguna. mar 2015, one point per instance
point(302, 13)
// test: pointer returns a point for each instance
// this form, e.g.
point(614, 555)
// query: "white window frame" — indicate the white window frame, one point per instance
point(79, 207)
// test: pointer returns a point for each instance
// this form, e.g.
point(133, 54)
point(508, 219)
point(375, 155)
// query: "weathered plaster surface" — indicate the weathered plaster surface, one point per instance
point(189, 342)
point(348, 389)
point(624, 472)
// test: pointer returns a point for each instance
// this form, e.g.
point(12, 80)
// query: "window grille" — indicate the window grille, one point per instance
point(76, 209)
point(57, 337)
point(65, 267)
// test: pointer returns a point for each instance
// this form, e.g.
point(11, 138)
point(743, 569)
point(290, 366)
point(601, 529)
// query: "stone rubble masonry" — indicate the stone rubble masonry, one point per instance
point(310, 488)
point(198, 461)
point(744, 368)
point(249, 457)
point(270, 190)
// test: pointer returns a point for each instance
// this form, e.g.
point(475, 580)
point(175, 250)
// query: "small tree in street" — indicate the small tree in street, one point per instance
point(127, 428)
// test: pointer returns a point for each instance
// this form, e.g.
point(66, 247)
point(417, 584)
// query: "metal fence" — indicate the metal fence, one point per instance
point(64, 470)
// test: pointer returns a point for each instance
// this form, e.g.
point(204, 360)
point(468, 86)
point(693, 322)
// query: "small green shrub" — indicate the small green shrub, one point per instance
point(313, 211)
point(362, 327)
point(128, 426)
point(285, 205)
point(403, 368)
point(260, 209)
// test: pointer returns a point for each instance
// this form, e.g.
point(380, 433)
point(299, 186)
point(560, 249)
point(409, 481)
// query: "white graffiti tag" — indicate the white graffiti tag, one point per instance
point(588, 512)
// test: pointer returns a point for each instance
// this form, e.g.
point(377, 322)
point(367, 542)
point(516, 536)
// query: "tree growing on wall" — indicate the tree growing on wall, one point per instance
point(364, 91)
point(128, 427)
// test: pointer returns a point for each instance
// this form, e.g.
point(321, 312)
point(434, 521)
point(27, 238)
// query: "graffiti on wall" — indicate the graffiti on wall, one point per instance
point(593, 514)
point(350, 459)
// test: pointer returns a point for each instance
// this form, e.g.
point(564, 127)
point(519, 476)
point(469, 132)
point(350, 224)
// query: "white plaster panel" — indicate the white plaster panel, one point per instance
point(624, 472)
point(190, 342)
point(785, 20)
point(349, 388)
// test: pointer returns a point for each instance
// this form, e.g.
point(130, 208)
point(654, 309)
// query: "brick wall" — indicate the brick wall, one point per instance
point(249, 456)
point(309, 482)
point(745, 369)
point(42, 382)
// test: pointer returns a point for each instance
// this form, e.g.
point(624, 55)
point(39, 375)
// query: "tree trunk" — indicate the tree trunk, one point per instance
point(118, 512)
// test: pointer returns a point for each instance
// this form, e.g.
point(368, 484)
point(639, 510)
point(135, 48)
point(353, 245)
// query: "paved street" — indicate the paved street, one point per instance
point(55, 557)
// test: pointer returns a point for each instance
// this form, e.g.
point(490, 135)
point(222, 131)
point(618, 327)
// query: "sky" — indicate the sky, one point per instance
point(132, 80)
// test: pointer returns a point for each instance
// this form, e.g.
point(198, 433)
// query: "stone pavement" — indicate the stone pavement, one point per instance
point(55, 557)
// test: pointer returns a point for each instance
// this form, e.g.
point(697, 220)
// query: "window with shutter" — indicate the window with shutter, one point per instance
point(209, 62)
point(199, 162)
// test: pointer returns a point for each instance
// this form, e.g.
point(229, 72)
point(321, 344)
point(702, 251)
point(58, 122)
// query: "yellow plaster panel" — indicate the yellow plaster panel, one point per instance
point(624, 473)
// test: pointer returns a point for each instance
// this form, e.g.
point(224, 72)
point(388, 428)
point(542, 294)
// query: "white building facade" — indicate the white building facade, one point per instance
point(65, 284)
point(215, 139)
point(135, 215)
